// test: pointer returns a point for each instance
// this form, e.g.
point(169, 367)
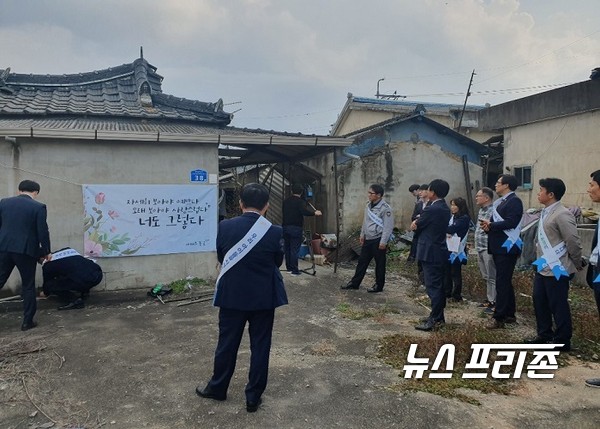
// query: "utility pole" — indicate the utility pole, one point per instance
point(465, 104)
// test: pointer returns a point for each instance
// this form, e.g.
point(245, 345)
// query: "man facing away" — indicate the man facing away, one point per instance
point(377, 227)
point(66, 274)
point(558, 251)
point(248, 290)
point(484, 199)
point(593, 273)
point(504, 244)
point(432, 251)
point(294, 210)
point(24, 240)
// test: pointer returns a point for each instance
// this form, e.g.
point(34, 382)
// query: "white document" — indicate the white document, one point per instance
point(453, 243)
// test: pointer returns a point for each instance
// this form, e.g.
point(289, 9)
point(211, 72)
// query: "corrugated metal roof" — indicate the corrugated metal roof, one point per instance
point(413, 104)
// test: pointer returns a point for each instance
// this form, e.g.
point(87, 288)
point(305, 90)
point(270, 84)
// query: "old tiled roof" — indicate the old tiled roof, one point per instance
point(126, 91)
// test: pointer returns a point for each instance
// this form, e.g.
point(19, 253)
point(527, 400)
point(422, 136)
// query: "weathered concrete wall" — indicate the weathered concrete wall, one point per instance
point(565, 147)
point(61, 167)
point(396, 167)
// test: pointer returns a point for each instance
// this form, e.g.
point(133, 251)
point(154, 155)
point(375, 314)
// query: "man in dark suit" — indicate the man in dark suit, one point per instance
point(249, 288)
point(67, 272)
point(432, 251)
point(294, 209)
point(418, 209)
point(504, 245)
point(593, 273)
point(24, 240)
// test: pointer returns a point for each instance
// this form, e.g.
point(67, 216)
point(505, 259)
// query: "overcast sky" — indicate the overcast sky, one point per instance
point(289, 64)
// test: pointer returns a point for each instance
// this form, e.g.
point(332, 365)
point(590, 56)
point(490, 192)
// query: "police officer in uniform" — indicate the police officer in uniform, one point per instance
point(377, 227)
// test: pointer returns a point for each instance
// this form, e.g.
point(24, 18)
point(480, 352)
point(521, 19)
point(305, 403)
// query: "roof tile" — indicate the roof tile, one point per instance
point(112, 92)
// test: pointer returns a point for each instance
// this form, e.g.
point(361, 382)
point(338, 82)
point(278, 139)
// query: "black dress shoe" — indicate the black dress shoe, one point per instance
point(205, 393)
point(375, 289)
point(252, 407)
point(510, 319)
point(429, 326)
point(536, 340)
point(78, 303)
point(566, 346)
point(349, 286)
point(28, 326)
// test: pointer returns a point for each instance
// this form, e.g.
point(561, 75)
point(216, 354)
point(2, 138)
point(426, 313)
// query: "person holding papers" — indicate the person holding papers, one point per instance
point(458, 227)
point(558, 251)
point(249, 288)
point(504, 244)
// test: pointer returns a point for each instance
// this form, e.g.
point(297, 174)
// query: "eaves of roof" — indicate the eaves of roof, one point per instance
point(132, 129)
point(394, 106)
point(442, 129)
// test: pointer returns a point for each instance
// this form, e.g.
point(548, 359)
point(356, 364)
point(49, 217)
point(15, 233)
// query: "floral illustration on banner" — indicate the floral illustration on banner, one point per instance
point(100, 234)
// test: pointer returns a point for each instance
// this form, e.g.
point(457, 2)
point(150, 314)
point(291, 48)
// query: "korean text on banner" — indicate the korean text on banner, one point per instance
point(134, 220)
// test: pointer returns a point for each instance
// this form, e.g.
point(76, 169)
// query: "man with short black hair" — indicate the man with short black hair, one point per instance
point(66, 274)
point(24, 240)
point(432, 251)
point(593, 273)
point(558, 251)
point(421, 203)
point(294, 210)
point(377, 227)
point(248, 290)
point(504, 244)
point(414, 189)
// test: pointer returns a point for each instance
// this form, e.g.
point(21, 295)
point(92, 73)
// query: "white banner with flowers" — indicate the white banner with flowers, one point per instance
point(132, 220)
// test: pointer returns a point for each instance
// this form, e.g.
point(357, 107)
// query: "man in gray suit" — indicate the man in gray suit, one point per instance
point(559, 256)
point(24, 240)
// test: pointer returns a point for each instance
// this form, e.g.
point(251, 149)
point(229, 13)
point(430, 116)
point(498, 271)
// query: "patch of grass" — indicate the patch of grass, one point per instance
point(181, 286)
point(355, 313)
point(394, 350)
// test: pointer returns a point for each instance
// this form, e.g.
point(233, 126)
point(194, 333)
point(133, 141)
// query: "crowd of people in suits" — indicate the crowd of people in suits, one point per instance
point(251, 249)
point(440, 248)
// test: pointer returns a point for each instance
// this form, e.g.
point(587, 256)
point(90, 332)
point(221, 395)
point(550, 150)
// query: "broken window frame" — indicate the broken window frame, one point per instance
point(524, 175)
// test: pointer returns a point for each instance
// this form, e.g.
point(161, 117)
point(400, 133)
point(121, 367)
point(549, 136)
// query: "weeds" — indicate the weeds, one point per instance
point(354, 313)
point(394, 349)
point(185, 285)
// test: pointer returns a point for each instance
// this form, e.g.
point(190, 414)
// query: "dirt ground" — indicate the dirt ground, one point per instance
point(126, 361)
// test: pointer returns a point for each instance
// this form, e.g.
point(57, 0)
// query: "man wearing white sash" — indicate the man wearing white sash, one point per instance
point(248, 290)
point(377, 227)
point(593, 274)
point(67, 274)
point(504, 245)
point(558, 250)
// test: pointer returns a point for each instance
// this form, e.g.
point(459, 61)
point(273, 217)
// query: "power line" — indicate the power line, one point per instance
point(493, 91)
point(293, 116)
